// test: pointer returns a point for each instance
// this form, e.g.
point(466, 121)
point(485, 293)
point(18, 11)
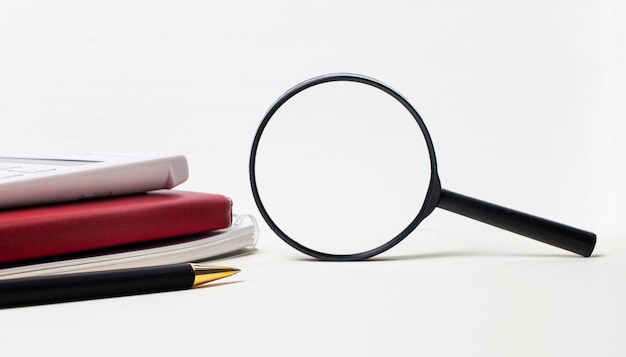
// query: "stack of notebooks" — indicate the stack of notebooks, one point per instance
point(158, 227)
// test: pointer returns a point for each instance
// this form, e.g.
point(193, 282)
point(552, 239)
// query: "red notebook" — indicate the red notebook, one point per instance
point(45, 231)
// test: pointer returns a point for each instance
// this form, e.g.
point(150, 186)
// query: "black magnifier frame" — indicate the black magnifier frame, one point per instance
point(549, 232)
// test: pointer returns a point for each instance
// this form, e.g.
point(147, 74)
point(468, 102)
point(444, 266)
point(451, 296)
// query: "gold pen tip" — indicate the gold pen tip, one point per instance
point(206, 273)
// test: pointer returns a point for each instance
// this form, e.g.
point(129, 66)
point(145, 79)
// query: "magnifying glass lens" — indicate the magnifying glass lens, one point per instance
point(342, 167)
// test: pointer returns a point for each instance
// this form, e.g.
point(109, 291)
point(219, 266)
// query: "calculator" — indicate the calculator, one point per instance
point(27, 180)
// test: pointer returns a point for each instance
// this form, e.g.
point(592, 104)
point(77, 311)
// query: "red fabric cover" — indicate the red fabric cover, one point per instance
point(44, 231)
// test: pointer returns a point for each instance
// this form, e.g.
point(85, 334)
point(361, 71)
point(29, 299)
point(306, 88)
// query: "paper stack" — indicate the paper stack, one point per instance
point(157, 227)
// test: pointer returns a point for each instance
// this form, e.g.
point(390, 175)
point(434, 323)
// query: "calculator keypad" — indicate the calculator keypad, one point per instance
point(10, 170)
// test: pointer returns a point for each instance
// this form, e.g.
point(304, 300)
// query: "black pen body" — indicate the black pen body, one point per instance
point(94, 285)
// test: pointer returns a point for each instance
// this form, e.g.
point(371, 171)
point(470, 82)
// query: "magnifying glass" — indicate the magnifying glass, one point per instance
point(342, 167)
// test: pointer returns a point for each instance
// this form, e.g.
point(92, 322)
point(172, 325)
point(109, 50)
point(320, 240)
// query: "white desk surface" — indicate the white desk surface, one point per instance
point(436, 294)
point(525, 106)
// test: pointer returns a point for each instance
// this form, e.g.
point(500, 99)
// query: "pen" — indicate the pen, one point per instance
point(111, 283)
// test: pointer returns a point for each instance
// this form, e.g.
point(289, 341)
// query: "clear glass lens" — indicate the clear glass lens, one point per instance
point(342, 168)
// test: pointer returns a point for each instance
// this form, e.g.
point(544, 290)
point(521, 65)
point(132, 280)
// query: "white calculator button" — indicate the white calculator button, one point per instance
point(6, 167)
point(7, 175)
point(32, 170)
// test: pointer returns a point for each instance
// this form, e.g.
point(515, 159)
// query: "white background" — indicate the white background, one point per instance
point(525, 105)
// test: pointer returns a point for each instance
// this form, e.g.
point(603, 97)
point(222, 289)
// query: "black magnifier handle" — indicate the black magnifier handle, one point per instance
point(553, 233)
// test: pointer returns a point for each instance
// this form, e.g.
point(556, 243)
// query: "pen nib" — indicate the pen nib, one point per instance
point(206, 273)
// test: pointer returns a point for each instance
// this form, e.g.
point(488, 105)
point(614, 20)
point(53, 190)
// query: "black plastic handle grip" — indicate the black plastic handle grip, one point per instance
point(553, 233)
